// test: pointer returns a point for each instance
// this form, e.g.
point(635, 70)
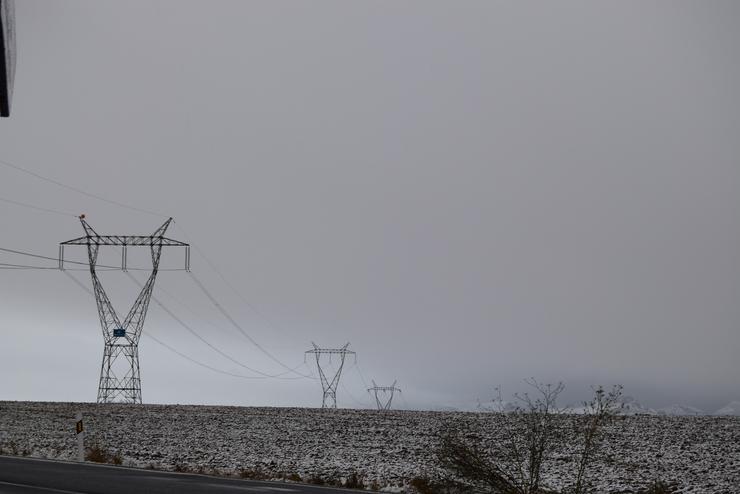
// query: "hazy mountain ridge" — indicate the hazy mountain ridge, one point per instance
point(732, 408)
point(681, 410)
point(630, 406)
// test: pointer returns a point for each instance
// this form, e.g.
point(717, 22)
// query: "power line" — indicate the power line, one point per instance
point(206, 342)
point(352, 397)
point(39, 256)
point(214, 369)
point(18, 268)
point(232, 288)
point(362, 377)
point(405, 403)
point(25, 266)
point(168, 347)
point(238, 327)
point(182, 323)
point(37, 208)
point(56, 259)
point(79, 283)
point(75, 189)
point(187, 307)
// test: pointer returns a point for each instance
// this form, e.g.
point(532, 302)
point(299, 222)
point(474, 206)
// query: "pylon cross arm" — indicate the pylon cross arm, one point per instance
point(331, 350)
point(126, 241)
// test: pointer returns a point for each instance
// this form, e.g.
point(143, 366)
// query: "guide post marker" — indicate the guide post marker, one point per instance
point(80, 430)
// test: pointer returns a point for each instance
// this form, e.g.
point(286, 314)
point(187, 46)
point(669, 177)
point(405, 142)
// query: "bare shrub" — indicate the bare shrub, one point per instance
point(660, 487)
point(354, 481)
point(255, 473)
point(513, 466)
point(317, 479)
point(423, 485)
point(98, 454)
point(602, 408)
point(532, 431)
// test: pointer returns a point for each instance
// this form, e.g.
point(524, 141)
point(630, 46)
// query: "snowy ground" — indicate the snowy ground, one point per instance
point(701, 453)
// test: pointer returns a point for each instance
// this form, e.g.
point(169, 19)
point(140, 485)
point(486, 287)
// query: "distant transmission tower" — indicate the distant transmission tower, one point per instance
point(329, 386)
point(119, 374)
point(386, 390)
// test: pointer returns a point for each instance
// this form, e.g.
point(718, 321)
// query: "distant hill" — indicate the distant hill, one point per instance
point(732, 408)
point(630, 406)
point(681, 410)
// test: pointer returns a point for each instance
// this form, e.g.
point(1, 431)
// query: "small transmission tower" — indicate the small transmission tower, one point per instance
point(119, 374)
point(386, 390)
point(330, 385)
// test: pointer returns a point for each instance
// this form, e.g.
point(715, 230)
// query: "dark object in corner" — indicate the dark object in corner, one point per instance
point(7, 54)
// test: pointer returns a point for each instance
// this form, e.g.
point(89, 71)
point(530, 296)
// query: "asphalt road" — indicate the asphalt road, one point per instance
point(34, 476)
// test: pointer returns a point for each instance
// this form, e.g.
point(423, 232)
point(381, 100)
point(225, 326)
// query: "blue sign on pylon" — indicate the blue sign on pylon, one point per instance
point(119, 332)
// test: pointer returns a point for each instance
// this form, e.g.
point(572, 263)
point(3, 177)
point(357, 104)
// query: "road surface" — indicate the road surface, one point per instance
point(35, 476)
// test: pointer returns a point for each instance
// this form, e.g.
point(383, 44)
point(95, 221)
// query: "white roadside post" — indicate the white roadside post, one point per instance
point(80, 438)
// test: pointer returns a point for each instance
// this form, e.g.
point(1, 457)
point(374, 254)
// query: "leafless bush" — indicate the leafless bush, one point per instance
point(660, 487)
point(98, 454)
point(602, 408)
point(423, 485)
point(355, 481)
point(181, 468)
point(532, 430)
point(255, 473)
point(293, 477)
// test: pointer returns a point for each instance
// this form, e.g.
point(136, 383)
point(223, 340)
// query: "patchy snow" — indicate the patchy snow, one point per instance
point(700, 453)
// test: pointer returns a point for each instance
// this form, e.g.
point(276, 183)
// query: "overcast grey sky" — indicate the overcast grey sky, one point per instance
point(470, 193)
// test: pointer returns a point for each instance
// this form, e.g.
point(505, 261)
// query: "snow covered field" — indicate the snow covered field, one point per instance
point(701, 453)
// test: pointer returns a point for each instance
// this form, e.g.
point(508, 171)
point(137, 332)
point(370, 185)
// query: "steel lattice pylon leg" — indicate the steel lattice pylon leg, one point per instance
point(112, 388)
point(120, 379)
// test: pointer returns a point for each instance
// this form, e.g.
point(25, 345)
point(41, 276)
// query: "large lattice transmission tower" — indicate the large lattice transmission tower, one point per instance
point(387, 391)
point(329, 386)
point(120, 380)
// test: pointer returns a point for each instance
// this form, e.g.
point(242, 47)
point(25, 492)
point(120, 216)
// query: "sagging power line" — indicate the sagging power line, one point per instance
point(212, 346)
point(165, 345)
point(77, 190)
point(105, 267)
